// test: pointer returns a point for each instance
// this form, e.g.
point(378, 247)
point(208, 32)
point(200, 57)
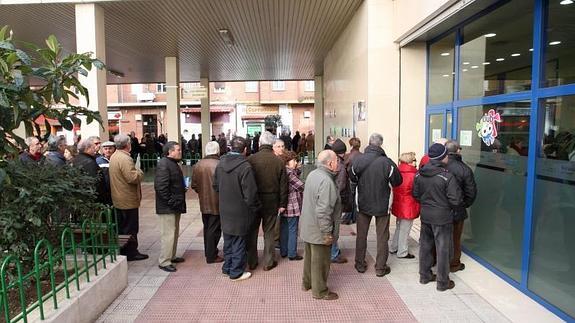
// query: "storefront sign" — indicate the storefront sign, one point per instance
point(487, 127)
point(114, 115)
point(465, 138)
point(262, 110)
point(196, 93)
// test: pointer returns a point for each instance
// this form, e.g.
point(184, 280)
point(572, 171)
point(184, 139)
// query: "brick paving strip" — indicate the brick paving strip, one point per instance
point(199, 292)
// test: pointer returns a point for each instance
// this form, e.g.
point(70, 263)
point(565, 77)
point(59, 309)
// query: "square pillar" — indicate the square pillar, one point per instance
point(318, 114)
point(173, 99)
point(90, 37)
point(205, 113)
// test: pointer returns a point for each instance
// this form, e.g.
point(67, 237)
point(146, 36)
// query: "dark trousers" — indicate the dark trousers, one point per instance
point(442, 236)
point(288, 237)
point(234, 255)
point(212, 234)
point(268, 218)
point(316, 262)
point(457, 232)
point(129, 224)
point(382, 231)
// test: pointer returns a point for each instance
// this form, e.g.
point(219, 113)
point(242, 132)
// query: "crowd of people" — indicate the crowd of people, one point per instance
point(241, 190)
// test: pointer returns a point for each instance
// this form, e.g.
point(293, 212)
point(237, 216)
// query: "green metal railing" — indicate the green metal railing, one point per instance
point(92, 242)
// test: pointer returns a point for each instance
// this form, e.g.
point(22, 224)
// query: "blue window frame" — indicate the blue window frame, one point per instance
point(536, 94)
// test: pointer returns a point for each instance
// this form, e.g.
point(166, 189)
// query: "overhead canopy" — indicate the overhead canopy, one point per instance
point(273, 39)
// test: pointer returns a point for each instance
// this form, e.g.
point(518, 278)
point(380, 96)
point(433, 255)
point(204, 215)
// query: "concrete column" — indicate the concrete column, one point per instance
point(318, 115)
point(90, 37)
point(172, 120)
point(205, 113)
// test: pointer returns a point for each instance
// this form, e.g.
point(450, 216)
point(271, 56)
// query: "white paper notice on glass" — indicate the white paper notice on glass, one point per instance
point(465, 137)
point(435, 134)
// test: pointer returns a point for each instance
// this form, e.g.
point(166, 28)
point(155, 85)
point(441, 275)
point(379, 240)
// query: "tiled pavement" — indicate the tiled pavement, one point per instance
point(198, 291)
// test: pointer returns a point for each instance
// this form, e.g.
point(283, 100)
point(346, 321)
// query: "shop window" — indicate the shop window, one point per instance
point(219, 87)
point(441, 73)
point(278, 86)
point(309, 86)
point(552, 262)
point(494, 142)
point(495, 54)
point(251, 87)
point(435, 127)
point(560, 44)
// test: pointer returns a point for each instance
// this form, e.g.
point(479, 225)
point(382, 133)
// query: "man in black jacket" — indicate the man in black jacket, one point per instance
point(235, 182)
point(86, 160)
point(170, 203)
point(466, 181)
point(438, 193)
point(373, 173)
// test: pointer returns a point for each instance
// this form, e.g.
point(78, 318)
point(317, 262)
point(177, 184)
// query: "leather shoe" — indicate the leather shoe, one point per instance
point(339, 260)
point(408, 256)
point(329, 297)
point(425, 281)
point(298, 257)
point(450, 285)
point(253, 267)
point(137, 257)
point(177, 260)
point(218, 259)
point(360, 269)
point(458, 268)
point(381, 273)
point(272, 266)
point(305, 288)
point(168, 268)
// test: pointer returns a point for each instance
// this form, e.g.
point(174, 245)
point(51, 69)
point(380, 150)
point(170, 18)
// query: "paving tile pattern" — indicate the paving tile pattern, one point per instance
point(198, 292)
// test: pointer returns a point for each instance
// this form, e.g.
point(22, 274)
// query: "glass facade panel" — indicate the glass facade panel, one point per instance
point(495, 56)
point(435, 128)
point(552, 262)
point(449, 125)
point(560, 67)
point(494, 144)
point(441, 73)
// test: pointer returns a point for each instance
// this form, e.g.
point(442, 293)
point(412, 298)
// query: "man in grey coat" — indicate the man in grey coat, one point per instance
point(319, 224)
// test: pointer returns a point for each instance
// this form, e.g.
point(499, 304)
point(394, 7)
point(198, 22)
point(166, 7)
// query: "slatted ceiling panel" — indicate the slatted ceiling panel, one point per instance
point(274, 39)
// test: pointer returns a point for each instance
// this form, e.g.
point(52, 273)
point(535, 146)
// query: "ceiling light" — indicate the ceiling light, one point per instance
point(227, 37)
point(486, 63)
point(490, 35)
point(530, 49)
point(474, 66)
point(500, 59)
point(445, 54)
point(556, 42)
point(566, 2)
point(445, 75)
point(465, 70)
point(465, 63)
point(515, 54)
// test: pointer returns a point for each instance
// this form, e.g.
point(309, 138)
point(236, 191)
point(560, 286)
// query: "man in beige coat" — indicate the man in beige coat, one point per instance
point(125, 182)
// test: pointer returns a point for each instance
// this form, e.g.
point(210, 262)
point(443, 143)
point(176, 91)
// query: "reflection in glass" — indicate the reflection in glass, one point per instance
point(560, 67)
point(441, 73)
point(495, 56)
point(552, 268)
point(435, 128)
point(494, 144)
point(449, 125)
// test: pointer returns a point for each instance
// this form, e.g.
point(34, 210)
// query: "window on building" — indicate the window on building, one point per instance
point(219, 87)
point(251, 87)
point(560, 45)
point(278, 86)
point(441, 72)
point(137, 88)
point(495, 54)
point(161, 88)
point(309, 86)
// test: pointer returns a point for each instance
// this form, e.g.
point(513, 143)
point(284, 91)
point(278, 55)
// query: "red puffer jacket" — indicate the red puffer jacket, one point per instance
point(404, 205)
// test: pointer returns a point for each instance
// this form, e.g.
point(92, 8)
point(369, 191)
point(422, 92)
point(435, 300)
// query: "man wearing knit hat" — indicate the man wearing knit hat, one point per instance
point(342, 182)
point(438, 193)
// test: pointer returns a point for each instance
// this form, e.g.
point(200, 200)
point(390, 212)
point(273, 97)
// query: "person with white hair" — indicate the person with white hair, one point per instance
point(271, 179)
point(125, 185)
point(56, 148)
point(202, 182)
point(374, 174)
point(86, 161)
point(33, 152)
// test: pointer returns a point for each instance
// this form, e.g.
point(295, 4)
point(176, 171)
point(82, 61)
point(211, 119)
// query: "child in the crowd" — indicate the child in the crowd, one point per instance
point(290, 218)
point(404, 207)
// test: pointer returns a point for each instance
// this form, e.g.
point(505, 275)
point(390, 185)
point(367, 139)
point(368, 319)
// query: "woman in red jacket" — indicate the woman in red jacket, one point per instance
point(404, 207)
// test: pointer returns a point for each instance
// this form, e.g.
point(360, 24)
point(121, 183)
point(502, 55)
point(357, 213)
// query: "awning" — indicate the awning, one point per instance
point(41, 121)
point(221, 109)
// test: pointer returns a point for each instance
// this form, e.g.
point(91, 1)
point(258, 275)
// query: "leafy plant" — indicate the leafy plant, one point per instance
point(272, 122)
point(55, 97)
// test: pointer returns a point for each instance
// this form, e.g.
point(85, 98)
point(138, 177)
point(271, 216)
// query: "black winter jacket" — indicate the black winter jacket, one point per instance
point(438, 193)
point(373, 172)
point(271, 176)
point(238, 194)
point(466, 181)
point(169, 187)
point(89, 165)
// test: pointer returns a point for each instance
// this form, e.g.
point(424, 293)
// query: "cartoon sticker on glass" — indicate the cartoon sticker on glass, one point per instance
point(487, 127)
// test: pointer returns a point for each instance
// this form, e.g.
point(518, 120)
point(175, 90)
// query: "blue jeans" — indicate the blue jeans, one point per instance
point(234, 255)
point(288, 236)
point(335, 252)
